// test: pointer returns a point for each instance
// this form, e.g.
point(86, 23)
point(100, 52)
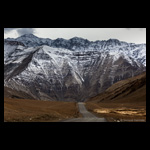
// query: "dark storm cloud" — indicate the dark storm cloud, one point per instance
point(20, 31)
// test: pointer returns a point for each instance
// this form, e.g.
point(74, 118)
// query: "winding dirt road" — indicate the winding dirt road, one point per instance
point(87, 116)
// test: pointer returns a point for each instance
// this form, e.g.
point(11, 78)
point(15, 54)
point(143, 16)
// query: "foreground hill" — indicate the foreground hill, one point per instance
point(125, 99)
point(24, 110)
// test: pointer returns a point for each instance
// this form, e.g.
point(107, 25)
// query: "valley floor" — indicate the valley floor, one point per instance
point(23, 110)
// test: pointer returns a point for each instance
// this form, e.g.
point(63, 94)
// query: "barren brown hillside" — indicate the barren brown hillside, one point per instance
point(125, 99)
point(24, 110)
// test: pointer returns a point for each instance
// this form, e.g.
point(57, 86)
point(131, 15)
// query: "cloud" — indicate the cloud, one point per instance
point(23, 31)
point(6, 30)
point(135, 28)
point(20, 31)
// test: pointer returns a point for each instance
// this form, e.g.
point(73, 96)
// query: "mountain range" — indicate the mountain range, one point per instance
point(68, 70)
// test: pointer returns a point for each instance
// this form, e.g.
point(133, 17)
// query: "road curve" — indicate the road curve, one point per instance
point(87, 116)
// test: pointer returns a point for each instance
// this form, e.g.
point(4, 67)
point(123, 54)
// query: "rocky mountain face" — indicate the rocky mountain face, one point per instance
point(131, 91)
point(68, 70)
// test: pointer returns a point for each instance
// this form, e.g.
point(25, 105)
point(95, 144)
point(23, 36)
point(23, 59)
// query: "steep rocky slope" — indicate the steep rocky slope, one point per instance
point(132, 90)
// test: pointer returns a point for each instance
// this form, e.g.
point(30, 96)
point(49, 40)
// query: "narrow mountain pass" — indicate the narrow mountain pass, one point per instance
point(87, 116)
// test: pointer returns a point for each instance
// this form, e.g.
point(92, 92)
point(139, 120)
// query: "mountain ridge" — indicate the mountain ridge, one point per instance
point(73, 70)
point(71, 39)
point(76, 37)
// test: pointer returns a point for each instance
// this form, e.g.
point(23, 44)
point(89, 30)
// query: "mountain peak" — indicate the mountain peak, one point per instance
point(77, 38)
point(60, 39)
point(113, 40)
point(28, 36)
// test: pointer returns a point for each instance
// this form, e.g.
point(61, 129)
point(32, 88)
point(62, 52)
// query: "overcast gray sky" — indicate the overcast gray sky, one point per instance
point(132, 35)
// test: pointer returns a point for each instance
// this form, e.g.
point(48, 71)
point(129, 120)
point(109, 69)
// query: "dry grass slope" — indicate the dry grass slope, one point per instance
point(124, 100)
point(24, 110)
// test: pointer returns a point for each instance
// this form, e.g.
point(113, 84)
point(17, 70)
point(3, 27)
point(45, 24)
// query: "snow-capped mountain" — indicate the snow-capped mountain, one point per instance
point(70, 70)
point(136, 51)
point(30, 40)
